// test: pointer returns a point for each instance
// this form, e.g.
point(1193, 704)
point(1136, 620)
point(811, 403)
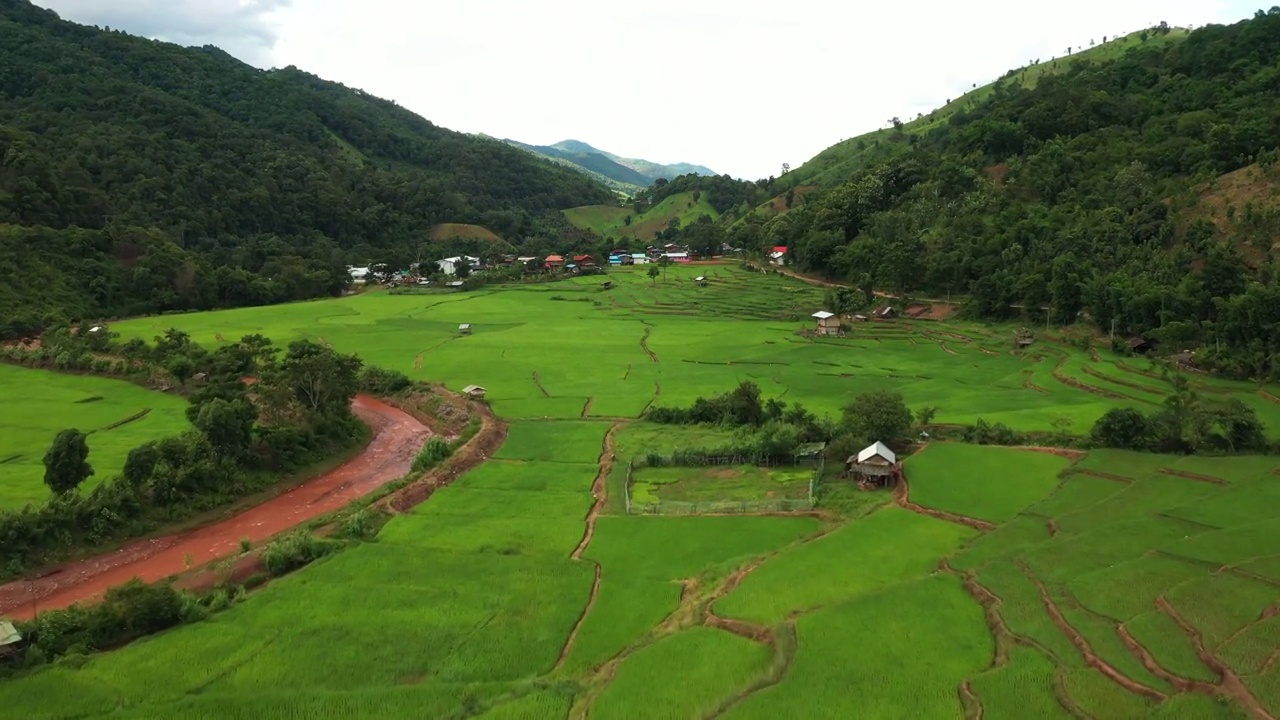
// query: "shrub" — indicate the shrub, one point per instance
point(380, 381)
point(295, 550)
point(431, 454)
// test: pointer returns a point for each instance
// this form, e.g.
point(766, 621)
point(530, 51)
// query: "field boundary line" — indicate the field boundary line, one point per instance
point(902, 495)
point(1232, 685)
point(1185, 684)
point(1193, 476)
point(599, 494)
point(1082, 644)
point(537, 381)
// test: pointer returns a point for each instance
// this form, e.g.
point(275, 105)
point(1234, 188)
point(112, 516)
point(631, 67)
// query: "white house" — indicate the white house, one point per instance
point(449, 266)
point(359, 274)
point(828, 322)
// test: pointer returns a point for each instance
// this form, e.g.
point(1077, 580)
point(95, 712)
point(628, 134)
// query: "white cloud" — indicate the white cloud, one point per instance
point(241, 27)
point(738, 85)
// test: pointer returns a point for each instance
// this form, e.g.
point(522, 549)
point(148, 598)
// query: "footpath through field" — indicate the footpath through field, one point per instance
point(397, 437)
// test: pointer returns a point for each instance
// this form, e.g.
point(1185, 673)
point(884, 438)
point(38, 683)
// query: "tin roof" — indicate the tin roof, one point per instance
point(874, 449)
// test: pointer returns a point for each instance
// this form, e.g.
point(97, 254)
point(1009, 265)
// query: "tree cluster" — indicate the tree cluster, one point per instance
point(244, 435)
point(1187, 422)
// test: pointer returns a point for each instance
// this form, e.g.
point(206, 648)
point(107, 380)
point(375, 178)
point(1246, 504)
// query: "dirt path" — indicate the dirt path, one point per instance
point(1086, 650)
point(644, 345)
point(657, 393)
point(600, 493)
point(397, 438)
point(1231, 685)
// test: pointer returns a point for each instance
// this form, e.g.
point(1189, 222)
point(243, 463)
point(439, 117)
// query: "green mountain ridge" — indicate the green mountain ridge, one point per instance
point(628, 175)
point(154, 177)
point(1137, 189)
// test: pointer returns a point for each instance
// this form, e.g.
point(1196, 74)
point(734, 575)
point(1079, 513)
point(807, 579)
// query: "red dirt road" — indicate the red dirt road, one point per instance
point(397, 438)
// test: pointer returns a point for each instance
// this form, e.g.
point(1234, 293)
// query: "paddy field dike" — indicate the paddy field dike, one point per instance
point(996, 583)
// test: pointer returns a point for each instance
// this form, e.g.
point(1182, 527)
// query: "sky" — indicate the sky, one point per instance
point(740, 86)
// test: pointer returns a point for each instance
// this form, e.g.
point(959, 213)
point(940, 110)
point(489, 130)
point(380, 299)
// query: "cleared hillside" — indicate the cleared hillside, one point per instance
point(612, 221)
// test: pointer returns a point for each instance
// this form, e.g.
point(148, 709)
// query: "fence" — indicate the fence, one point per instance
point(723, 507)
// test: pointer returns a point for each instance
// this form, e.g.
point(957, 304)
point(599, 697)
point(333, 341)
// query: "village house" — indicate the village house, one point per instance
point(359, 275)
point(554, 262)
point(449, 266)
point(828, 322)
point(677, 257)
point(778, 256)
point(639, 259)
point(584, 261)
point(875, 464)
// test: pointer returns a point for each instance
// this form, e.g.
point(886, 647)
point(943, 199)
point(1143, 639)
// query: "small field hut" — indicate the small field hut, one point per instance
point(1139, 345)
point(885, 313)
point(828, 322)
point(464, 329)
point(607, 284)
point(475, 392)
point(9, 639)
point(700, 281)
point(875, 464)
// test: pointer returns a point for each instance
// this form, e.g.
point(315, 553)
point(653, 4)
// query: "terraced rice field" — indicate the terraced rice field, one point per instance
point(1005, 583)
point(38, 405)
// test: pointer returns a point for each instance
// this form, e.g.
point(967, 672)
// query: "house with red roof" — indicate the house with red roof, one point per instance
point(554, 262)
point(779, 255)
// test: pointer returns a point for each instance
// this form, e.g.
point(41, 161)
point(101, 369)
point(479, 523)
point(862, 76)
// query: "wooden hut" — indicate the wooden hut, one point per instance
point(607, 284)
point(464, 329)
point(885, 313)
point(875, 464)
point(1139, 345)
point(828, 322)
point(475, 392)
point(700, 281)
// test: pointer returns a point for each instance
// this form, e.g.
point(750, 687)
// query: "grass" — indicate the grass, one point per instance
point(710, 664)
point(39, 404)
point(642, 569)
point(611, 220)
point(851, 657)
point(887, 547)
point(704, 484)
point(986, 483)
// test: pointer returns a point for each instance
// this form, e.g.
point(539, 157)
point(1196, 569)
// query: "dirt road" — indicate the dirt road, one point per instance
point(397, 438)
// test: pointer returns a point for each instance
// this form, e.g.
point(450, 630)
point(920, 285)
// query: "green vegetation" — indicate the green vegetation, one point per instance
point(241, 437)
point(947, 477)
point(39, 404)
point(176, 178)
point(624, 223)
point(991, 203)
point(702, 484)
point(485, 607)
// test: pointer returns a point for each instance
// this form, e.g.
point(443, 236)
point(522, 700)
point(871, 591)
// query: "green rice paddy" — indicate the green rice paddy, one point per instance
point(39, 404)
point(1102, 578)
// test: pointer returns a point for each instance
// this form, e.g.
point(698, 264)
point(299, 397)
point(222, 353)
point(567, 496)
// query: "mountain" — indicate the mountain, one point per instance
point(840, 161)
point(595, 164)
point(1139, 192)
point(630, 174)
point(140, 176)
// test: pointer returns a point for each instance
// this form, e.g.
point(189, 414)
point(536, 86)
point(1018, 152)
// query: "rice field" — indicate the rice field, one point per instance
point(38, 404)
point(1109, 586)
point(709, 484)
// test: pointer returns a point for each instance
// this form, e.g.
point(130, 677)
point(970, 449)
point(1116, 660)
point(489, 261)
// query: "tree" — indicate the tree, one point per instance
point(881, 415)
point(653, 274)
point(227, 424)
point(66, 463)
point(320, 380)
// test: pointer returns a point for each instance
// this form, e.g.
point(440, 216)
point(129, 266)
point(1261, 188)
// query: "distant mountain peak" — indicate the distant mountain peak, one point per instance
point(625, 174)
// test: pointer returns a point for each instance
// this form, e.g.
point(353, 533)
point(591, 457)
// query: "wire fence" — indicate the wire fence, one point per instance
point(724, 507)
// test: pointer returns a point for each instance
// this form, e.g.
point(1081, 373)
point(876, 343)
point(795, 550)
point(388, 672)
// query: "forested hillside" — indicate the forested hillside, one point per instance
point(1142, 193)
point(138, 176)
